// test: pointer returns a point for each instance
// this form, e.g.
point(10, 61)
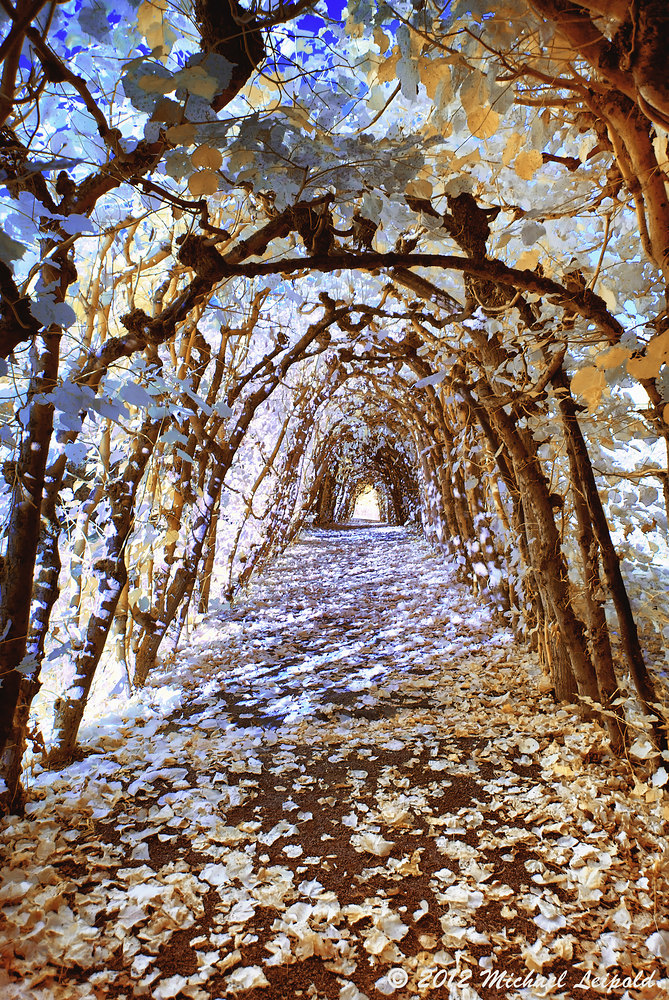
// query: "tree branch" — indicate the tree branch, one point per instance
point(212, 267)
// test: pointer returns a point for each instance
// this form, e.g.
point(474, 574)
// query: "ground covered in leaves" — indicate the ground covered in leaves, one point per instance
point(351, 785)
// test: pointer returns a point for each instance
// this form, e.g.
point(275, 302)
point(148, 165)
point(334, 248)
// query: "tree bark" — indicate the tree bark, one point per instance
point(551, 564)
point(611, 566)
point(20, 686)
point(111, 574)
point(598, 631)
point(209, 559)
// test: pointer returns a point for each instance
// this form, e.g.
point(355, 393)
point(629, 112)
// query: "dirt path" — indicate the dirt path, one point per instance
point(362, 793)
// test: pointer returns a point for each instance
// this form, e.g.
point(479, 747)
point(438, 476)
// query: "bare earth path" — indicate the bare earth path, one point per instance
point(361, 792)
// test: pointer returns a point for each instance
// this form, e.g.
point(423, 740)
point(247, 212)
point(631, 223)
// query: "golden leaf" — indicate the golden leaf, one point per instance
point(353, 28)
point(590, 383)
point(643, 367)
point(657, 354)
point(387, 71)
point(483, 122)
point(432, 73)
point(155, 84)
point(150, 12)
point(613, 357)
point(151, 24)
point(239, 159)
point(528, 260)
point(203, 182)
point(609, 297)
point(527, 163)
point(460, 161)
point(419, 189)
point(513, 144)
point(155, 36)
point(206, 156)
point(167, 111)
point(474, 91)
point(563, 770)
point(197, 81)
point(381, 39)
point(181, 134)
point(300, 117)
point(659, 346)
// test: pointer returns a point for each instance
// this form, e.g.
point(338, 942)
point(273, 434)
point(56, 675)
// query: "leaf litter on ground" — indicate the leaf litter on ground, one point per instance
point(353, 771)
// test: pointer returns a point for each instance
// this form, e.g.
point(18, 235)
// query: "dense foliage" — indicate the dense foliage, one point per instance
point(255, 260)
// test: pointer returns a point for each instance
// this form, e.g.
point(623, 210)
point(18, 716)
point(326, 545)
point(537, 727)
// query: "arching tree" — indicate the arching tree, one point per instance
point(252, 256)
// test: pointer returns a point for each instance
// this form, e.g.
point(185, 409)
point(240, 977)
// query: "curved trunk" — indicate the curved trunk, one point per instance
point(183, 579)
point(111, 574)
point(611, 566)
point(550, 560)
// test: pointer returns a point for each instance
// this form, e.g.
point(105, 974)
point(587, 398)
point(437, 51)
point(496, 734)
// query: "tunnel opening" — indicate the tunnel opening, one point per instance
point(367, 452)
point(367, 506)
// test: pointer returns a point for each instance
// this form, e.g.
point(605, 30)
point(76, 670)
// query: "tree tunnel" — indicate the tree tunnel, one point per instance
point(217, 332)
point(367, 458)
point(444, 451)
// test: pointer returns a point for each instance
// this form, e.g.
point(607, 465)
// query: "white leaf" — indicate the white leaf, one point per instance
point(73, 225)
point(660, 777)
point(167, 988)
point(46, 311)
point(376, 942)
point(373, 843)
point(280, 829)
point(216, 875)
point(658, 944)
point(433, 379)
point(247, 978)
point(392, 926)
point(351, 992)
point(222, 409)
point(463, 896)
point(643, 748)
point(550, 923)
point(135, 395)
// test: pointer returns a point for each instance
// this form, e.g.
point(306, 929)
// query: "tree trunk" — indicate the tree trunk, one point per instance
point(611, 565)
point(596, 617)
point(183, 579)
point(111, 574)
point(205, 588)
point(119, 631)
point(46, 589)
point(19, 686)
point(550, 561)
